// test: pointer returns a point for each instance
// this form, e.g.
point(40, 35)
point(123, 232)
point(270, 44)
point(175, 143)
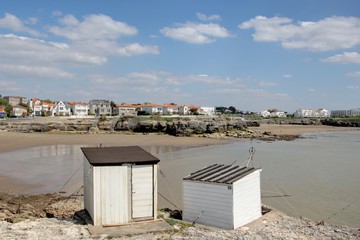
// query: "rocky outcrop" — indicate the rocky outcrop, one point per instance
point(341, 123)
point(175, 127)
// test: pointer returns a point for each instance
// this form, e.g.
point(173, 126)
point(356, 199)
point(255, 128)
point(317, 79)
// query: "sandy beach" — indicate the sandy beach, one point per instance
point(10, 141)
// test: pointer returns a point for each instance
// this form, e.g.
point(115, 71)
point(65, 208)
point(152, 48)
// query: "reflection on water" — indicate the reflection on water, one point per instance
point(319, 172)
point(47, 166)
point(50, 167)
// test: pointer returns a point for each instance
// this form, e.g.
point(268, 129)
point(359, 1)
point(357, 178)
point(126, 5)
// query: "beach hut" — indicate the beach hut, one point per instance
point(223, 196)
point(120, 185)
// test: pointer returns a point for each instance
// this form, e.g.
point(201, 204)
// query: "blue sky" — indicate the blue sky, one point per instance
point(253, 55)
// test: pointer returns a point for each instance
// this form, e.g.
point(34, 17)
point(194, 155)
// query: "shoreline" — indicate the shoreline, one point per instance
point(12, 141)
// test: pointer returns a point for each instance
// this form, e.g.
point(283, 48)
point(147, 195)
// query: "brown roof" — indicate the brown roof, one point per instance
point(220, 173)
point(105, 156)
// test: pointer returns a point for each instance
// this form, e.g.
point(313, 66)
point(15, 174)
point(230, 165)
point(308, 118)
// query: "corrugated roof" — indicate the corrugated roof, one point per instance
point(220, 173)
point(107, 156)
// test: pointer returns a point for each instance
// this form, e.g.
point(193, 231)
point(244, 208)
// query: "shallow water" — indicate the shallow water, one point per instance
point(320, 172)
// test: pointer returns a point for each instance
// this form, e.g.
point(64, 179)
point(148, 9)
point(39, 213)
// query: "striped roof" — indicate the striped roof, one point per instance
point(220, 173)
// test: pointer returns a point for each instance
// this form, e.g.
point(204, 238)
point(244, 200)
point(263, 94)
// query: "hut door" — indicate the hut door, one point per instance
point(142, 197)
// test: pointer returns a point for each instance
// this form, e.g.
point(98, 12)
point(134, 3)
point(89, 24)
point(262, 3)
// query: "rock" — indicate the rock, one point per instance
point(64, 208)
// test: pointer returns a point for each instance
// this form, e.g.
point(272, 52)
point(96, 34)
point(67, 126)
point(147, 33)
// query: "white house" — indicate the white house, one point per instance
point(125, 110)
point(171, 109)
point(120, 185)
point(32, 102)
point(184, 110)
point(209, 111)
point(79, 109)
point(18, 111)
point(152, 108)
point(61, 109)
point(303, 113)
point(37, 109)
point(223, 196)
point(273, 113)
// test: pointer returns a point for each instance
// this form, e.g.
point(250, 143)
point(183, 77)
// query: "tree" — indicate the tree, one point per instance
point(232, 109)
point(221, 109)
point(47, 101)
point(3, 102)
point(8, 109)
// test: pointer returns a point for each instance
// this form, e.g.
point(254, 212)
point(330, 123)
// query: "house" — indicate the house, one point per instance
point(61, 109)
point(120, 185)
point(208, 111)
point(170, 109)
point(273, 113)
point(79, 109)
point(124, 110)
point(15, 100)
point(223, 196)
point(37, 110)
point(47, 108)
point(318, 113)
point(152, 108)
point(2, 112)
point(100, 107)
point(18, 111)
point(184, 110)
point(32, 102)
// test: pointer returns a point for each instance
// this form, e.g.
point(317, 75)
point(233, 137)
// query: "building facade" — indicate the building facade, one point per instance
point(100, 107)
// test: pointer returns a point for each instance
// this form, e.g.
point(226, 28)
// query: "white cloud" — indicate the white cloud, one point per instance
point(327, 34)
point(202, 78)
point(34, 51)
point(286, 75)
point(346, 57)
point(312, 90)
point(267, 84)
point(92, 27)
point(29, 71)
point(196, 33)
point(136, 49)
point(13, 23)
point(206, 18)
point(353, 74)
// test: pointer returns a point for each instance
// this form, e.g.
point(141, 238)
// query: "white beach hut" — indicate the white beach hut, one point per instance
point(120, 185)
point(222, 196)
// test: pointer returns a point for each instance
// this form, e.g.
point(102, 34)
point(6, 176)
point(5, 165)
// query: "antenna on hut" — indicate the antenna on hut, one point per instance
point(250, 159)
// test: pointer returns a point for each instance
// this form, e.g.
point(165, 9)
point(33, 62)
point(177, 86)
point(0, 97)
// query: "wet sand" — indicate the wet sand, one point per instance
point(10, 141)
